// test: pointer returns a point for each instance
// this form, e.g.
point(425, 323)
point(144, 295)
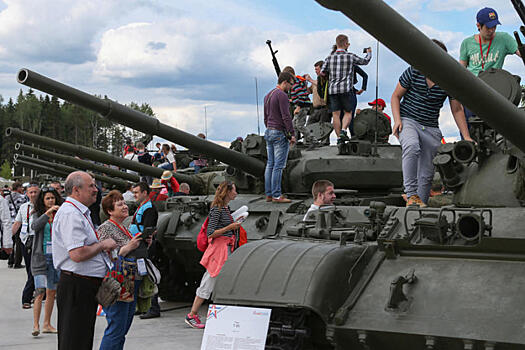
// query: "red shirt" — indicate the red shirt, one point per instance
point(157, 196)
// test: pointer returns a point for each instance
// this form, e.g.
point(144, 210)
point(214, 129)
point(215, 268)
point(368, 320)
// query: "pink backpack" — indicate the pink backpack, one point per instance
point(202, 238)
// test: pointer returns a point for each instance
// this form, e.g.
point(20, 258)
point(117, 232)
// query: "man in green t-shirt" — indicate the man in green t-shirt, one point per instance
point(487, 49)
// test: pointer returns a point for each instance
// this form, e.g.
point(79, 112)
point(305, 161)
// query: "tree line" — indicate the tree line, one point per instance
point(48, 116)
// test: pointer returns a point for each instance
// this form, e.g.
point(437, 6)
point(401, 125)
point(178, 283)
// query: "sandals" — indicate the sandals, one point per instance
point(26, 305)
point(49, 330)
point(35, 332)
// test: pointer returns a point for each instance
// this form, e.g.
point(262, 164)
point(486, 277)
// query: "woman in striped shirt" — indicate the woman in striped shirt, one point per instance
point(224, 238)
point(417, 128)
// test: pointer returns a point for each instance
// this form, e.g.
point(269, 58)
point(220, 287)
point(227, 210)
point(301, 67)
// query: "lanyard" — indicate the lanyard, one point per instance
point(50, 222)
point(481, 50)
point(135, 215)
point(89, 221)
point(122, 229)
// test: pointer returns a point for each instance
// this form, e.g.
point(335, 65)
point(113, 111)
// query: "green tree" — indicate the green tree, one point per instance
point(5, 170)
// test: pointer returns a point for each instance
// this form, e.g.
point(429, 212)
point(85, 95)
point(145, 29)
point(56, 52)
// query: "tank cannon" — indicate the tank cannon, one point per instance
point(64, 169)
point(78, 163)
point(199, 183)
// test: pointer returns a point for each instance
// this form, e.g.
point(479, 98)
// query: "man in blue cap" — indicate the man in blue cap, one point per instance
point(489, 48)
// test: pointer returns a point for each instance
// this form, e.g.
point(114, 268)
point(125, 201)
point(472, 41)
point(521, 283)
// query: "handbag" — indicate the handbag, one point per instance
point(108, 292)
point(202, 237)
point(153, 272)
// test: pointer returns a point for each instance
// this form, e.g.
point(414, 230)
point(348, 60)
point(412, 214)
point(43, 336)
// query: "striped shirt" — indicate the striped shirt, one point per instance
point(421, 103)
point(339, 66)
point(219, 218)
point(299, 91)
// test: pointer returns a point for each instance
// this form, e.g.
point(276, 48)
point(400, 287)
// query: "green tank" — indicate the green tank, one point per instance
point(445, 278)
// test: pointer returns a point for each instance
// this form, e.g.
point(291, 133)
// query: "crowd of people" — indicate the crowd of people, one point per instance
point(67, 255)
point(416, 104)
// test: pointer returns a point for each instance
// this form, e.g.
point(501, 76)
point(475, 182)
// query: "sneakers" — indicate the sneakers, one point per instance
point(281, 200)
point(343, 136)
point(269, 198)
point(415, 200)
point(194, 321)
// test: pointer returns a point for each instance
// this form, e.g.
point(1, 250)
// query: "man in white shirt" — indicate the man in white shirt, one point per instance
point(83, 261)
point(324, 195)
point(23, 221)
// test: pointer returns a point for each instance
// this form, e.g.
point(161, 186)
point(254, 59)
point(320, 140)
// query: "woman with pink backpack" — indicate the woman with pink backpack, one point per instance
point(223, 239)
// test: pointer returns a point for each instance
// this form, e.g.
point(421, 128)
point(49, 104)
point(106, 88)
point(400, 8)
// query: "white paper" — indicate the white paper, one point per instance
point(235, 328)
point(242, 211)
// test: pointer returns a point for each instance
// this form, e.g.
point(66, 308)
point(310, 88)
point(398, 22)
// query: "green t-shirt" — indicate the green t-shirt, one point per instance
point(502, 45)
point(47, 236)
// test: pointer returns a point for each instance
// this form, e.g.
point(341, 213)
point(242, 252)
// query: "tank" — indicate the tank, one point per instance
point(121, 184)
point(446, 278)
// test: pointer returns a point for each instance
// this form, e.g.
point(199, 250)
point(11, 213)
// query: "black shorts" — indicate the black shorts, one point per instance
point(345, 102)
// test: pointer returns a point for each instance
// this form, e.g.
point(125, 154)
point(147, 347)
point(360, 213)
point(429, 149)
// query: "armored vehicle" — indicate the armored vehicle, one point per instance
point(447, 278)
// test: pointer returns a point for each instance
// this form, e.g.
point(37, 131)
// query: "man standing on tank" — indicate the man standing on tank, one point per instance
point(279, 135)
point(487, 49)
point(416, 104)
point(339, 67)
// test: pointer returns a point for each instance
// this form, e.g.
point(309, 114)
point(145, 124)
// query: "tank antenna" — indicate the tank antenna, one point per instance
point(377, 94)
point(257, 103)
point(205, 123)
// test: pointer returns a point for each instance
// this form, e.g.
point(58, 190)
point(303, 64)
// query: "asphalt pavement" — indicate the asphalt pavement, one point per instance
point(166, 332)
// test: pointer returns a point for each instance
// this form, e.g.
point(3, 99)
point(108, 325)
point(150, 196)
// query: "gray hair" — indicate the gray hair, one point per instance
point(184, 186)
point(75, 179)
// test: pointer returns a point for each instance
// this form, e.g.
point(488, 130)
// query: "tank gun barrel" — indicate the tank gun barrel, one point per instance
point(38, 167)
point(102, 157)
point(403, 38)
point(140, 121)
point(79, 163)
point(67, 170)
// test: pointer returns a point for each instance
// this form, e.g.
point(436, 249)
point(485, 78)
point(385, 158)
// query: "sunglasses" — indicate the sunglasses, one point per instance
point(47, 189)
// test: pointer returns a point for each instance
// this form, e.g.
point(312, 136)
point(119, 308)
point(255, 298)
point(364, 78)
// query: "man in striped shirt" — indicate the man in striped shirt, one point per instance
point(339, 67)
point(417, 128)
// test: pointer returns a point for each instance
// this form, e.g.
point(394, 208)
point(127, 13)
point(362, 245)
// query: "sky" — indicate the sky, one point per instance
point(183, 56)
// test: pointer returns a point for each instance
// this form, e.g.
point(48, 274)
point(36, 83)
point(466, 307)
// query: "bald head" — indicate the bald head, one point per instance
point(81, 186)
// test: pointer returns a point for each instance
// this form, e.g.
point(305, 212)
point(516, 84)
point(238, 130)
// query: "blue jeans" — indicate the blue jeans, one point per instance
point(277, 147)
point(166, 166)
point(49, 280)
point(119, 317)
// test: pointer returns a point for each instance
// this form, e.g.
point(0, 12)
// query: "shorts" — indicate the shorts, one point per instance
point(206, 288)
point(50, 279)
point(343, 102)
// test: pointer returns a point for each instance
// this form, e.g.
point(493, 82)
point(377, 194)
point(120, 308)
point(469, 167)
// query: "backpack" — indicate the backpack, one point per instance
point(202, 237)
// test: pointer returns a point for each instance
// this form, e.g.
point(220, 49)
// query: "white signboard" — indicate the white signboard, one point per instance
point(235, 328)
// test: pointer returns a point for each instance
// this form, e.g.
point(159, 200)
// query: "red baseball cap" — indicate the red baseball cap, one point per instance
point(379, 101)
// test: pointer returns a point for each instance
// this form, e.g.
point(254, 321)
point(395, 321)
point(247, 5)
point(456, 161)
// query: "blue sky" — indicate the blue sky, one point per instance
point(180, 57)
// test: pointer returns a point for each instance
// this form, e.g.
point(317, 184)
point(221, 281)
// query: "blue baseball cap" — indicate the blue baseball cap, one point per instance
point(488, 16)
